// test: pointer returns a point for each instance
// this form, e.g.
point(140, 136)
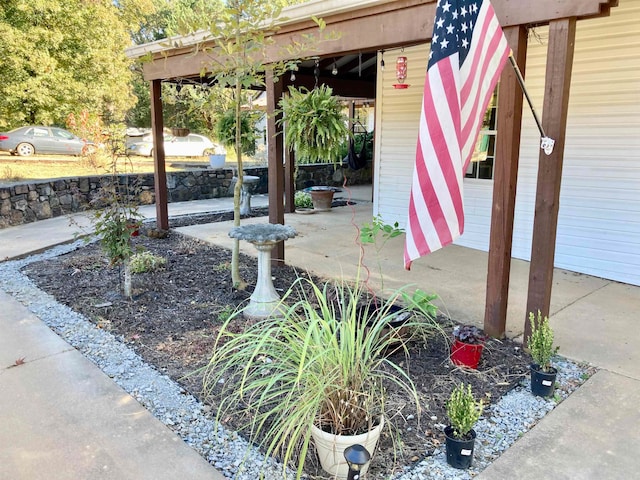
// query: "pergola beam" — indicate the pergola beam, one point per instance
point(562, 34)
point(275, 169)
point(380, 25)
point(160, 176)
point(505, 177)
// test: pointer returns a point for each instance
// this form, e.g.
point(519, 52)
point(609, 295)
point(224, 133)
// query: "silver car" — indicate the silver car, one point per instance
point(192, 145)
point(25, 141)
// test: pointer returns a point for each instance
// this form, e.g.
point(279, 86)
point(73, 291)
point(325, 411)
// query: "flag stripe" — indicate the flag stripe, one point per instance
point(468, 52)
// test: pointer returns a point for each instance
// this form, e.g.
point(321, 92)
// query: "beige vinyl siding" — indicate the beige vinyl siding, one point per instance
point(397, 118)
point(599, 217)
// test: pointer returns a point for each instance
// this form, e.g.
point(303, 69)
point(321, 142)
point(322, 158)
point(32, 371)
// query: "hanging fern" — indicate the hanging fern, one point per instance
point(315, 125)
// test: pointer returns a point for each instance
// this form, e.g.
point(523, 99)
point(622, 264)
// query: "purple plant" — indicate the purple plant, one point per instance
point(469, 334)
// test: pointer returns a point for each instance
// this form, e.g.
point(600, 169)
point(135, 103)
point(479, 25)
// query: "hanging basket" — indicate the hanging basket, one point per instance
point(180, 131)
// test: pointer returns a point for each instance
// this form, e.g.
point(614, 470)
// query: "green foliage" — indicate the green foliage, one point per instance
point(62, 56)
point(226, 130)
point(463, 411)
point(315, 123)
point(113, 225)
point(370, 232)
point(541, 341)
point(224, 314)
point(146, 261)
point(302, 199)
point(324, 362)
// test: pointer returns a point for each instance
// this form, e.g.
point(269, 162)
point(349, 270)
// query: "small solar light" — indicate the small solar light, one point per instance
point(357, 457)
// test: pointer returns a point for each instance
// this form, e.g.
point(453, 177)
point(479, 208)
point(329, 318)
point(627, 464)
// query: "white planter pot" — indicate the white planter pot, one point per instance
point(217, 161)
point(331, 448)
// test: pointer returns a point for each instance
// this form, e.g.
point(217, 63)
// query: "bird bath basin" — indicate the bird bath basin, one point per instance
point(264, 300)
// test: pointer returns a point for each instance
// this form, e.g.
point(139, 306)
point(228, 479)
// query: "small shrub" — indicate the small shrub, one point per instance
point(541, 341)
point(469, 334)
point(302, 200)
point(463, 411)
point(146, 262)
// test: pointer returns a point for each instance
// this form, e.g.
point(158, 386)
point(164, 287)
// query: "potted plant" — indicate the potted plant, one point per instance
point(468, 342)
point(315, 128)
point(463, 412)
point(303, 202)
point(315, 374)
point(540, 344)
point(321, 197)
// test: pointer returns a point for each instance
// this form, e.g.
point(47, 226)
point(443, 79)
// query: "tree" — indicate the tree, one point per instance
point(238, 41)
point(63, 56)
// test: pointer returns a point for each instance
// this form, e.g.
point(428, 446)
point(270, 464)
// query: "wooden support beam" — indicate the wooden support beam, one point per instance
point(367, 28)
point(160, 175)
point(505, 177)
point(275, 167)
point(562, 35)
point(289, 182)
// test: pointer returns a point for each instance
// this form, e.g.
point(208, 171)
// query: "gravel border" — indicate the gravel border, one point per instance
point(501, 425)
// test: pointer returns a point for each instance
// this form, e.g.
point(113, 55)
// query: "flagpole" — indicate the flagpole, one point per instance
point(526, 94)
point(546, 143)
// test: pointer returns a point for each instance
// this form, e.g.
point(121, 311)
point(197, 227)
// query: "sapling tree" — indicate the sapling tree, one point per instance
point(240, 34)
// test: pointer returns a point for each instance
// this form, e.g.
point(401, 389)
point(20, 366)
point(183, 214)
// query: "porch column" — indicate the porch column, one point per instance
point(562, 35)
point(505, 177)
point(289, 181)
point(160, 175)
point(275, 166)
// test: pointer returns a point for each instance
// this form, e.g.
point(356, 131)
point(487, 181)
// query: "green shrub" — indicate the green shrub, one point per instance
point(463, 411)
point(303, 200)
point(146, 262)
point(540, 342)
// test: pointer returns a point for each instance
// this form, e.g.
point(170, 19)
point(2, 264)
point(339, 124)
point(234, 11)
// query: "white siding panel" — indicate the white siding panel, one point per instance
point(397, 117)
point(599, 217)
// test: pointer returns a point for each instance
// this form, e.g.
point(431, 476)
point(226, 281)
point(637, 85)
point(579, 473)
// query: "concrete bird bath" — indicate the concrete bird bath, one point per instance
point(264, 299)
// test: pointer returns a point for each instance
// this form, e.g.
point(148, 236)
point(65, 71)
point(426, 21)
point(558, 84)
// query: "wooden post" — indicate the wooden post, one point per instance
point(160, 175)
point(505, 177)
point(562, 35)
point(275, 166)
point(289, 181)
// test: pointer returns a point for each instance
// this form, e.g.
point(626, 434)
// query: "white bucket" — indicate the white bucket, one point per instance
point(217, 161)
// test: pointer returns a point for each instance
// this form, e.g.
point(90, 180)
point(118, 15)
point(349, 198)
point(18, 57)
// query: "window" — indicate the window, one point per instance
point(39, 132)
point(481, 165)
point(61, 134)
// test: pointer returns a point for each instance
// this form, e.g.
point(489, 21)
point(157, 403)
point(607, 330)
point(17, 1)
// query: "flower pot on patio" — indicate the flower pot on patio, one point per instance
point(322, 197)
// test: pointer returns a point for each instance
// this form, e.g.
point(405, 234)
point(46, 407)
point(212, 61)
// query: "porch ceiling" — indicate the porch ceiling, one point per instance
point(363, 26)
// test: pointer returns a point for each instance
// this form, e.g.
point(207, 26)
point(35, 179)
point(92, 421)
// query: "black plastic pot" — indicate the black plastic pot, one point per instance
point(459, 452)
point(543, 384)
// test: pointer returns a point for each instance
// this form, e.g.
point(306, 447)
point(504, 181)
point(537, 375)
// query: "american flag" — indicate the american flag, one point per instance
point(468, 51)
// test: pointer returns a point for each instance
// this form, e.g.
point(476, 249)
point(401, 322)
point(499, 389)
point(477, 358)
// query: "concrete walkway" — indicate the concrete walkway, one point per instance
point(594, 319)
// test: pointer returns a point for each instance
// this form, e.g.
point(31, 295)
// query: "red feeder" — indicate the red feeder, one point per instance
point(401, 72)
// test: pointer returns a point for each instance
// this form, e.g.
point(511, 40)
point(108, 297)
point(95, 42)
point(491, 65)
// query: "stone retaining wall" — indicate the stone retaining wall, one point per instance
point(37, 200)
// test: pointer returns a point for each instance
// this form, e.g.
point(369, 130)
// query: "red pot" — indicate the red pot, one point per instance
point(467, 354)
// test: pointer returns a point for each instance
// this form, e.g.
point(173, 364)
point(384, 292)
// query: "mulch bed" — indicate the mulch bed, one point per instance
point(174, 317)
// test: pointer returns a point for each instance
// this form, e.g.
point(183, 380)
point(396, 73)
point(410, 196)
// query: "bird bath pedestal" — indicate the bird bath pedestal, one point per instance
point(264, 299)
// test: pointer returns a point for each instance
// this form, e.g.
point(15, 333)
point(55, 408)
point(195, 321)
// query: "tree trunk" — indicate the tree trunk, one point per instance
point(126, 285)
point(237, 280)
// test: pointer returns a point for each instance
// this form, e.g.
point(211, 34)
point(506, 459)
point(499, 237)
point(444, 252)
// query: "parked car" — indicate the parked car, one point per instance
point(192, 145)
point(25, 141)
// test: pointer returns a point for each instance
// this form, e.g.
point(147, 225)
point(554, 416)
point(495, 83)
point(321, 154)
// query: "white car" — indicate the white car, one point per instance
point(192, 145)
